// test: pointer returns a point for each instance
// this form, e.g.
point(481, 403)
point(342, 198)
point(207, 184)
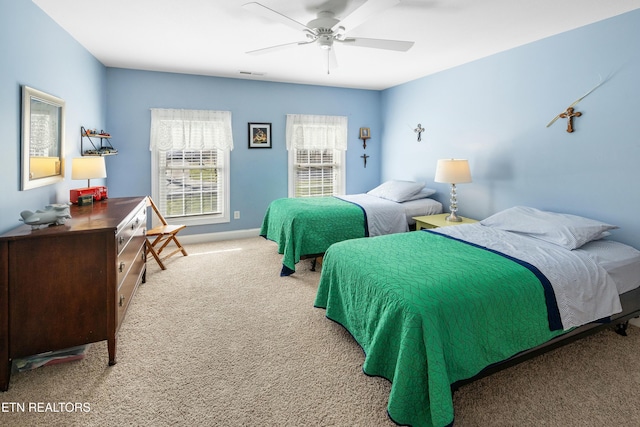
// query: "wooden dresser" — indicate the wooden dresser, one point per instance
point(68, 285)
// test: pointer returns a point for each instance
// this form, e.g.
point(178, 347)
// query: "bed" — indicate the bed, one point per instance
point(434, 309)
point(306, 227)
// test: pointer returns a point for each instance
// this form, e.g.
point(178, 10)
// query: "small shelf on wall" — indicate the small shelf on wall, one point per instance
point(94, 143)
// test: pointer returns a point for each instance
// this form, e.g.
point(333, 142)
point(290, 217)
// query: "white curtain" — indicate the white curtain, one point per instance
point(190, 129)
point(308, 132)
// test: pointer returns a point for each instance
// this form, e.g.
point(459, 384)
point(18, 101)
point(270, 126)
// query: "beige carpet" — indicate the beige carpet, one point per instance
point(219, 339)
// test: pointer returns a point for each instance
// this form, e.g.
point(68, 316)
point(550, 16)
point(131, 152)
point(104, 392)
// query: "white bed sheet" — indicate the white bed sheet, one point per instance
point(383, 216)
point(621, 261)
point(420, 207)
point(584, 290)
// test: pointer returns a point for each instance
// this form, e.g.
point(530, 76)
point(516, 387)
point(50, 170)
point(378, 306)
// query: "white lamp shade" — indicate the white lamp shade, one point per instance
point(88, 168)
point(453, 171)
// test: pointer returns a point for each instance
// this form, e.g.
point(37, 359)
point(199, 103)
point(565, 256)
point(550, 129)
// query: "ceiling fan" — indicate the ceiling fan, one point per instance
point(326, 29)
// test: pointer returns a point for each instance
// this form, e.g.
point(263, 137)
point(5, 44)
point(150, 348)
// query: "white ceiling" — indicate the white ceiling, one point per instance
point(210, 37)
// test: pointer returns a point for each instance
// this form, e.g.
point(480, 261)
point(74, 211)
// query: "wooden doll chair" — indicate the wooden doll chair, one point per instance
point(161, 235)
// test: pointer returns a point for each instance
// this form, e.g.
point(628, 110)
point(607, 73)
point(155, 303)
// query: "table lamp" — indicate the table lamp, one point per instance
point(88, 168)
point(453, 171)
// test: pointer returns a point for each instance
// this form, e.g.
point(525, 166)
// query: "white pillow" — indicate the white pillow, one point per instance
point(567, 231)
point(422, 194)
point(396, 191)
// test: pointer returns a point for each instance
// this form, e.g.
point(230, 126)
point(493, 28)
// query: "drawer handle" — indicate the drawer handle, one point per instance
point(121, 301)
point(121, 239)
point(121, 267)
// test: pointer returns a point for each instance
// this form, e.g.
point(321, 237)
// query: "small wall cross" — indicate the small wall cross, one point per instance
point(365, 157)
point(419, 131)
point(569, 115)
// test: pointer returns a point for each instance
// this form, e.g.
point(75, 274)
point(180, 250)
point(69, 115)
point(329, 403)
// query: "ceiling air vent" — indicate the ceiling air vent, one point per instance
point(251, 73)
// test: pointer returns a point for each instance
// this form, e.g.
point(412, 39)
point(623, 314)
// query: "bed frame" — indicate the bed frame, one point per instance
point(630, 308)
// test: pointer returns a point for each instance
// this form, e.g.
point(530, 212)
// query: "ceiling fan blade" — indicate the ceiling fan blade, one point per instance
point(364, 12)
point(275, 48)
point(271, 14)
point(397, 45)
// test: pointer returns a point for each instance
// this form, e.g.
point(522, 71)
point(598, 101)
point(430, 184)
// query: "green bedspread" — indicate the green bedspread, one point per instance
point(429, 311)
point(308, 226)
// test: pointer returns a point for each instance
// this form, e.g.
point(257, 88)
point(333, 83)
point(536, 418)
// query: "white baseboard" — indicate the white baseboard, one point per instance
point(213, 237)
point(635, 321)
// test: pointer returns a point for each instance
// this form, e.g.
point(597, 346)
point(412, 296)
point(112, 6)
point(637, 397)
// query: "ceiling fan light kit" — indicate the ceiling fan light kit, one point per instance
point(327, 29)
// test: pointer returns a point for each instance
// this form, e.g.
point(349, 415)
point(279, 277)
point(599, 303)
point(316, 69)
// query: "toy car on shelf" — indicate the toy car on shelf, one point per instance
point(104, 151)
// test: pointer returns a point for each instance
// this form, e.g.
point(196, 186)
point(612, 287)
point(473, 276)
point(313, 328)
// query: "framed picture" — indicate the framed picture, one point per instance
point(365, 133)
point(259, 135)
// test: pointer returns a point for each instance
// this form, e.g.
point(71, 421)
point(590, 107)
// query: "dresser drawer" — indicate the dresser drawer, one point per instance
point(130, 255)
point(130, 278)
point(131, 227)
point(131, 258)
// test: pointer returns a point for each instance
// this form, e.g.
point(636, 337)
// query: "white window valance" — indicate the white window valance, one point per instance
point(190, 129)
point(316, 132)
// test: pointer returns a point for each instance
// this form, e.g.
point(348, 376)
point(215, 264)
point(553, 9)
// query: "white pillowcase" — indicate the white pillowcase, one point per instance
point(397, 191)
point(567, 231)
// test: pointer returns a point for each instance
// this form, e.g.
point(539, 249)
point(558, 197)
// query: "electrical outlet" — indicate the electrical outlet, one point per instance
point(236, 214)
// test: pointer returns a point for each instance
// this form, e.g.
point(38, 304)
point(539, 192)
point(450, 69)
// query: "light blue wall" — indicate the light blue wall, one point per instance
point(494, 112)
point(36, 52)
point(258, 176)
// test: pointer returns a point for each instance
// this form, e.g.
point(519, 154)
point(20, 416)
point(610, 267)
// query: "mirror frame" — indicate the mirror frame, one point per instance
point(28, 95)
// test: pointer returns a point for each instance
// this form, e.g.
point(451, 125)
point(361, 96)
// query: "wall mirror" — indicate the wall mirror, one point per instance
point(42, 139)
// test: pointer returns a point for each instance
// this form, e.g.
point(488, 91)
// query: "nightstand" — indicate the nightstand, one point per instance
point(435, 221)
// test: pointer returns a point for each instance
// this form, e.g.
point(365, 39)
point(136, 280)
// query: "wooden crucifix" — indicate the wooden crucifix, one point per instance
point(569, 114)
point(365, 157)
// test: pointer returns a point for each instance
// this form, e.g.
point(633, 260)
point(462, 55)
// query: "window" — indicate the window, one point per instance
point(317, 146)
point(190, 165)
point(193, 187)
point(315, 173)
